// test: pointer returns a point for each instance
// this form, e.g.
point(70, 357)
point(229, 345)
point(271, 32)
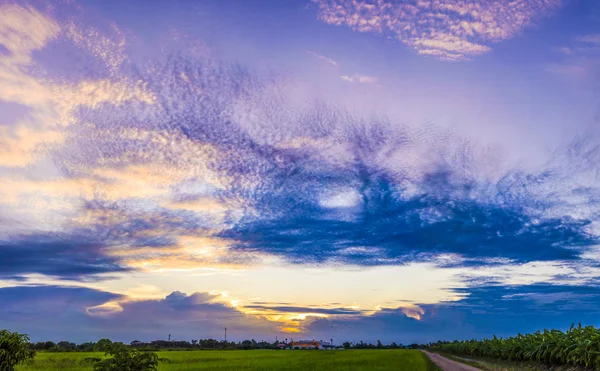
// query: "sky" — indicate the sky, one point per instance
point(394, 170)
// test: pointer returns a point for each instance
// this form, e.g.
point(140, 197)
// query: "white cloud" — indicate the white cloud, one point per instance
point(580, 63)
point(24, 29)
point(110, 50)
point(553, 272)
point(361, 79)
point(347, 198)
point(325, 59)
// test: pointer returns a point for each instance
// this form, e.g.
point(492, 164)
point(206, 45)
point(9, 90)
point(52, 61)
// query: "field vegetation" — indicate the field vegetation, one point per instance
point(289, 360)
point(579, 346)
point(18, 354)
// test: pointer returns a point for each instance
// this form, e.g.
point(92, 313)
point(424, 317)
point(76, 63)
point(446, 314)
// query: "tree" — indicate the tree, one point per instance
point(379, 345)
point(125, 358)
point(102, 345)
point(49, 345)
point(86, 347)
point(346, 345)
point(66, 346)
point(14, 349)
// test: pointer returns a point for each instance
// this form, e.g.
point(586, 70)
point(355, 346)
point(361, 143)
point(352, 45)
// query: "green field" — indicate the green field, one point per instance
point(372, 360)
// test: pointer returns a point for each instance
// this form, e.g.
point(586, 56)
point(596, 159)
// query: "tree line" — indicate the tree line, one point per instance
point(201, 344)
point(380, 345)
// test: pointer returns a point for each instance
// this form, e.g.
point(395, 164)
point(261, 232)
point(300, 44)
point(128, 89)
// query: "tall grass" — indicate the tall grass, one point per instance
point(579, 346)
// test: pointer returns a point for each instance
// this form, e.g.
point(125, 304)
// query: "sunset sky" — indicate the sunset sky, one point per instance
point(394, 170)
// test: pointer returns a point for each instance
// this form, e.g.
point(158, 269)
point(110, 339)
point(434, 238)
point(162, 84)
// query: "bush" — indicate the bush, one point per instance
point(90, 360)
point(14, 349)
point(125, 358)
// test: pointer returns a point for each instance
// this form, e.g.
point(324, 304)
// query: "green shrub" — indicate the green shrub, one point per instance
point(124, 358)
point(14, 349)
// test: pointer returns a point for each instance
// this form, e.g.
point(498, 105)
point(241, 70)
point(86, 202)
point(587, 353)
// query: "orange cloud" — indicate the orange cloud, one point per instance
point(446, 29)
point(413, 312)
point(292, 330)
point(51, 104)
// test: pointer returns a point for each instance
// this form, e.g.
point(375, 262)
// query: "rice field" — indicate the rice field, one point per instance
point(334, 360)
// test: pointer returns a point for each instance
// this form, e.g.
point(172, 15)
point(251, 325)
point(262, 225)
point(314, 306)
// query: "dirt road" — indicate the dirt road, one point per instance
point(448, 365)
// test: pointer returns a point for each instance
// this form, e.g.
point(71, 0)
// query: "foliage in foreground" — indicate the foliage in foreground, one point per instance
point(124, 358)
point(579, 346)
point(13, 350)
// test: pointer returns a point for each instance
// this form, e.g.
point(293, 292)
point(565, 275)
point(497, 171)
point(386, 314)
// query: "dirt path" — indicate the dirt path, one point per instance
point(448, 365)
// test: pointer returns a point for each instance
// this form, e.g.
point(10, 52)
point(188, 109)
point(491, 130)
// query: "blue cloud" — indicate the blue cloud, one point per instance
point(51, 312)
point(68, 313)
point(487, 311)
point(58, 313)
point(4, 50)
point(69, 257)
point(22, 295)
point(455, 209)
point(400, 228)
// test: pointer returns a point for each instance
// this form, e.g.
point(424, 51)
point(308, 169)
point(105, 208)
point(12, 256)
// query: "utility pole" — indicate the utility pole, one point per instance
point(225, 334)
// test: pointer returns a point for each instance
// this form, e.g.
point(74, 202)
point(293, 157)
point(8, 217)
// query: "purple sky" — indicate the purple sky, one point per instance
point(351, 169)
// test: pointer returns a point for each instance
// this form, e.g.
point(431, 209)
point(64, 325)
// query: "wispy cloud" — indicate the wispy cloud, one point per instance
point(52, 105)
point(568, 71)
point(563, 50)
point(361, 79)
point(446, 29)
point(21, 40)
point(581, 61)
point(111, 50)
point(325, 59)
point(355, 78)
point(593, 39)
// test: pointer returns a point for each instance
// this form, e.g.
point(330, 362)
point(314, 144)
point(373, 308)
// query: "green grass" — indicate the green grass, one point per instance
point(289, 360)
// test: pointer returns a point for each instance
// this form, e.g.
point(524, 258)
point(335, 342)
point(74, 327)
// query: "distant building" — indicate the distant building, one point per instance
point(310, 344)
